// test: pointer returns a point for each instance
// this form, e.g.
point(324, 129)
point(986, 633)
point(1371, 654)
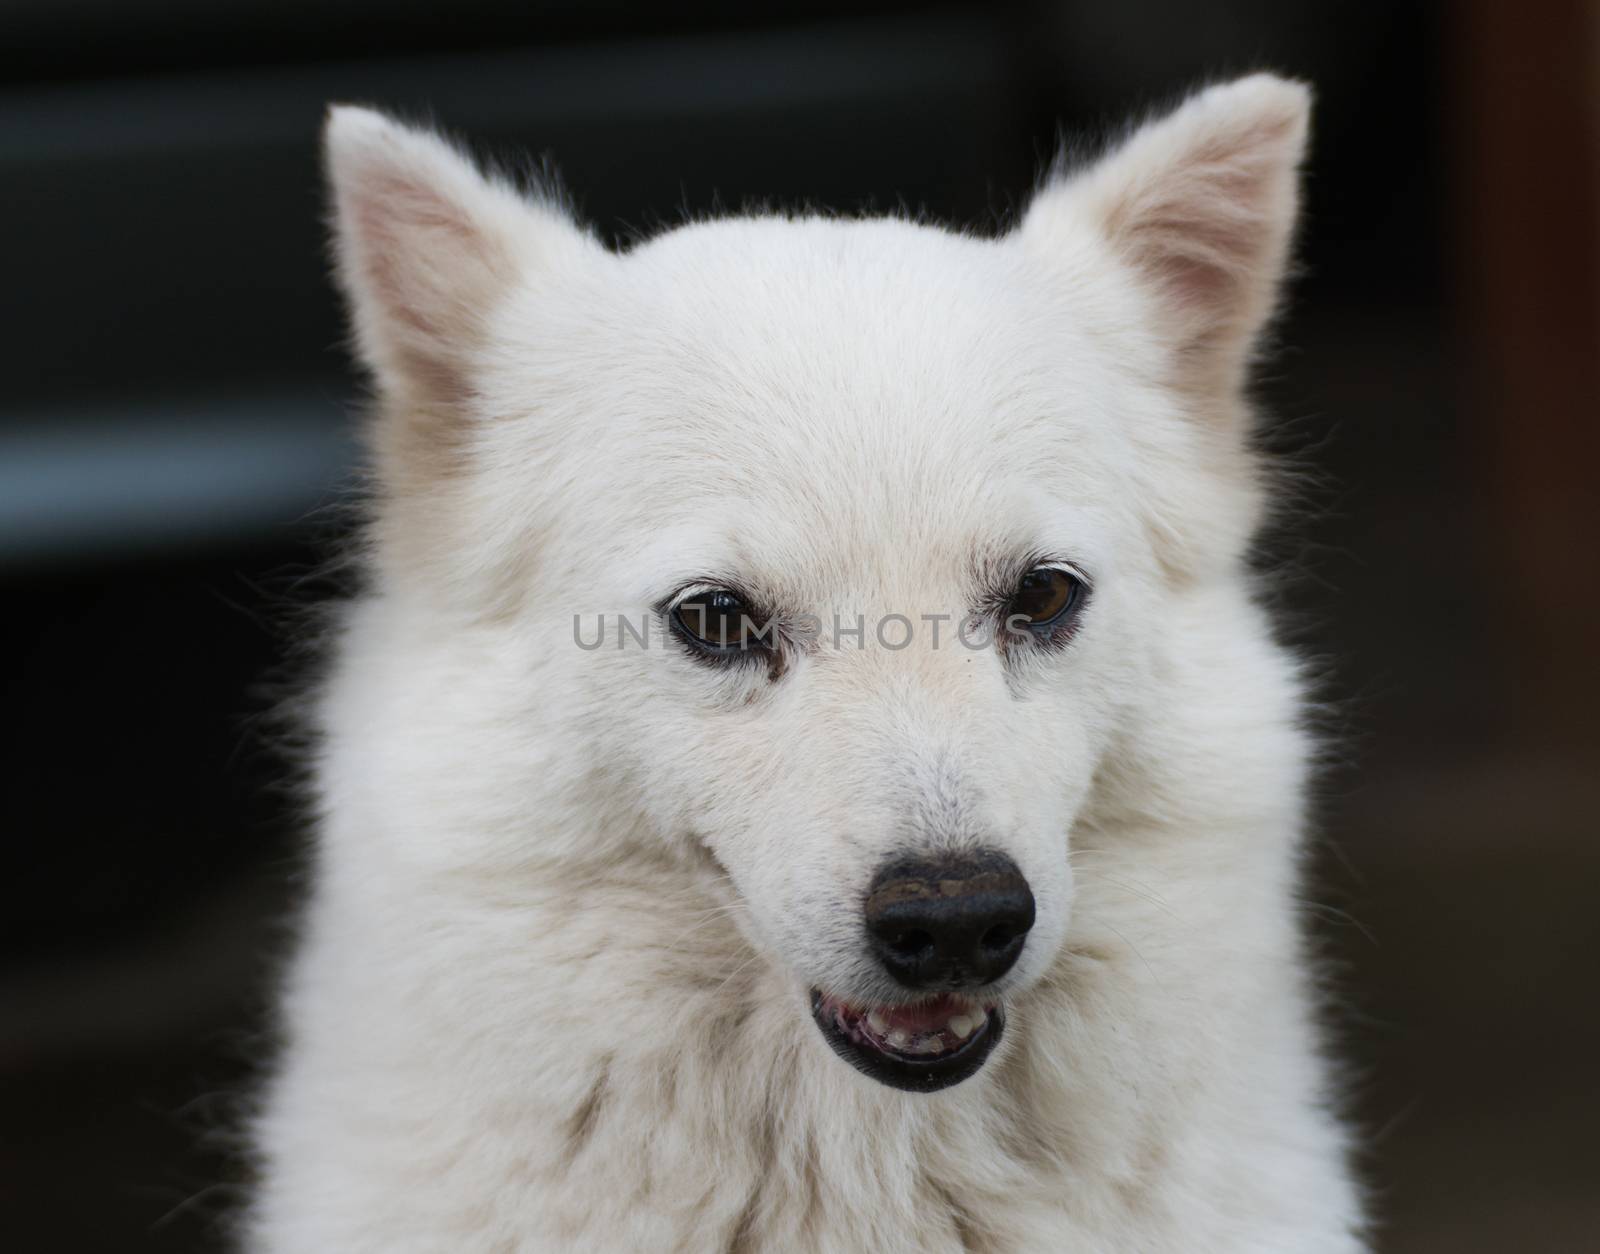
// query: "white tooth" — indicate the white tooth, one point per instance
point(932, 1044)
point(962, 1026)
point(877, 1022)
point(898, 1039)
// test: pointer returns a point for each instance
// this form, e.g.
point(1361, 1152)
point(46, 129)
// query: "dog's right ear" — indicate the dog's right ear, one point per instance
point(426, 247)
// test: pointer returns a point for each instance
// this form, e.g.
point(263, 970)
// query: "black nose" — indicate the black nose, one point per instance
point(949, 921)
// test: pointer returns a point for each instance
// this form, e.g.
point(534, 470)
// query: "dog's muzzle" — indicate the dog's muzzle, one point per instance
point(949, 926)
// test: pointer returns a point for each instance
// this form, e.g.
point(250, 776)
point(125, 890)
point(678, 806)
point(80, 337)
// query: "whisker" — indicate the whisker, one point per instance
point(1137, 890)
point(1138, 953)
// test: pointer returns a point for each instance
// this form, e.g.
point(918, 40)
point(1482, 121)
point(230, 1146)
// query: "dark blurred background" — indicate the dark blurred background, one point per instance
point(174, 444)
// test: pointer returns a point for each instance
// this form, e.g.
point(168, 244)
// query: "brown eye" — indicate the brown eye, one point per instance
point(719, 621)
point(1044, 596)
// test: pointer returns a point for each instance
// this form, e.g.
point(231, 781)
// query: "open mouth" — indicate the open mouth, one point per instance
point(922, 1048)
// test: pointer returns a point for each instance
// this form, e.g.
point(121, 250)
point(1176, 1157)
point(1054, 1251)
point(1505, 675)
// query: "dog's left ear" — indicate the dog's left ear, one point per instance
point(1200, 205)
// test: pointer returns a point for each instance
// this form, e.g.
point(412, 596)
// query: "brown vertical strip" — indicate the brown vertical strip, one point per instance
point(1527, 147)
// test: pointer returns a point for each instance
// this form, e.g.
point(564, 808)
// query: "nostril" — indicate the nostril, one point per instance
point(912, 945)
point(998, 937)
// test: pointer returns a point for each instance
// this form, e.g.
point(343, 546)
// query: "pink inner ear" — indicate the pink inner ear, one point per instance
point(426, 267)
point(1207, 233)
point(1199, 266)
point(399, 224)
point(1209, 228)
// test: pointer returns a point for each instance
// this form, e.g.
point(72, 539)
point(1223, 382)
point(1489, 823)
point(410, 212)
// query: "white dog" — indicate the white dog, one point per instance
point(808, 770)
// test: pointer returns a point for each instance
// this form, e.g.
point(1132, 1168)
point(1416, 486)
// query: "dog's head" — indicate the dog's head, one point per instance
point(835, 549)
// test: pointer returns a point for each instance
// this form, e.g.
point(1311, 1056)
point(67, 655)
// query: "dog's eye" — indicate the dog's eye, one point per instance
point(1045, 596)
point(719, 621)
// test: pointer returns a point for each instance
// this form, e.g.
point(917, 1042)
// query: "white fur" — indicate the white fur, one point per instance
point(552, 989)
